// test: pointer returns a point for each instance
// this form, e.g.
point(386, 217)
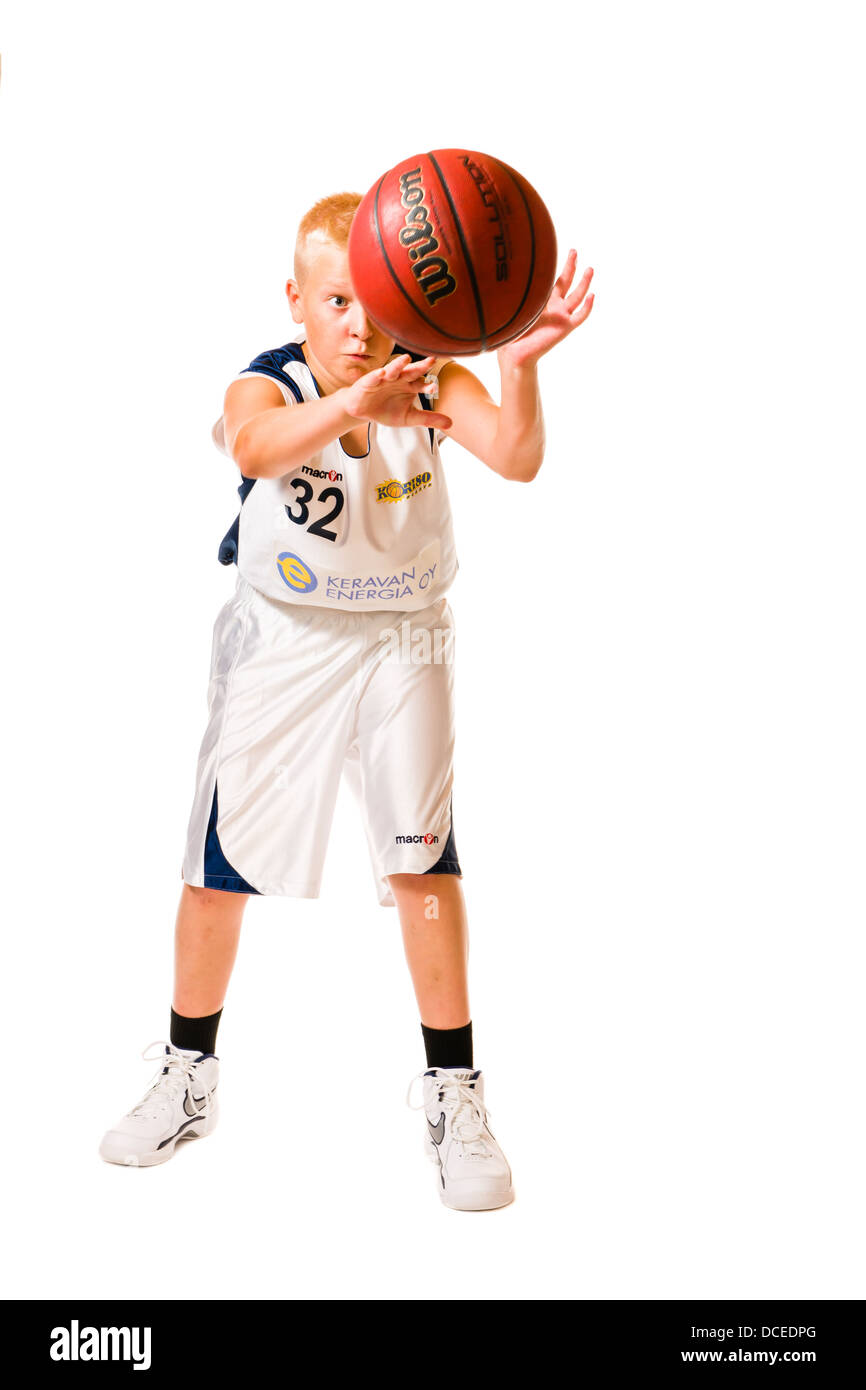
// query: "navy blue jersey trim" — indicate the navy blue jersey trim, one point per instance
point(266, 364)
point(425, 403)
point(271, 363)
point(228, 551)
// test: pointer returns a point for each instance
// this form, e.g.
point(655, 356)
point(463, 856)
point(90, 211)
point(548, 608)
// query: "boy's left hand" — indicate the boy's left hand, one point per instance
point(563, 313)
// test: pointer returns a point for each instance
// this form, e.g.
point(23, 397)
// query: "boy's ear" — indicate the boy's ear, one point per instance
point(294, 297)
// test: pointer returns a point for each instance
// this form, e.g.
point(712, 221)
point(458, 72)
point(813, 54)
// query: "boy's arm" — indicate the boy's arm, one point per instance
point(266, 438)
point(509, 437)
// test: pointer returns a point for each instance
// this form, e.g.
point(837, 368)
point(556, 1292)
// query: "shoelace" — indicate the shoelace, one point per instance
point(466, 1107)
point(173, 1082)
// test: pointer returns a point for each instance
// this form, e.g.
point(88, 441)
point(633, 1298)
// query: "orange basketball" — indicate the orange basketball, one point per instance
point(452, 253)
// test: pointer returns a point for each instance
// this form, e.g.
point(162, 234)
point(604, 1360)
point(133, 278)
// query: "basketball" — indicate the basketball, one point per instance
point(452, 253)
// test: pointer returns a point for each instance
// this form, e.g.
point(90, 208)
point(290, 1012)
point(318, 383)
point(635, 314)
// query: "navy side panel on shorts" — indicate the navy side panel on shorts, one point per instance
point(218, 872)
point(448, 863)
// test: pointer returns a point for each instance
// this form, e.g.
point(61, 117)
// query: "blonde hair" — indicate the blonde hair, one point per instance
point(328, 220)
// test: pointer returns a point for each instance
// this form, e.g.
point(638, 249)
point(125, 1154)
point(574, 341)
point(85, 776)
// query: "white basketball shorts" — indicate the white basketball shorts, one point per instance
point(297, 698)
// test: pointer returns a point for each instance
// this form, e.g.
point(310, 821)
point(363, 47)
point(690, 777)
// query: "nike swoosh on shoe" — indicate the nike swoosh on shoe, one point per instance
point(437, 1131)
point(197, 1109)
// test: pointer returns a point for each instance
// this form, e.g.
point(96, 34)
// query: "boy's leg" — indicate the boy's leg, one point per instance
point(474, 1174)
point(206, 939)
point(182, 1100)
point(436, 941)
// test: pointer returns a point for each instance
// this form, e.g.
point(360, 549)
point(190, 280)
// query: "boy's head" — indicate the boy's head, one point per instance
point(342, 343)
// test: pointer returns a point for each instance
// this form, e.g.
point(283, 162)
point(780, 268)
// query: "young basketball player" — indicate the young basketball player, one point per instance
point(332, 656)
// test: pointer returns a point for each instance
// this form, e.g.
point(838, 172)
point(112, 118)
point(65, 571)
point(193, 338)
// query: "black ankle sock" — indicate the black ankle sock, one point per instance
point(448, 1047)
point(198, 1033)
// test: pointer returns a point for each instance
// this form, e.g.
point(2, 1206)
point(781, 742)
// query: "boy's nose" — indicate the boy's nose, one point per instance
point(361, 326)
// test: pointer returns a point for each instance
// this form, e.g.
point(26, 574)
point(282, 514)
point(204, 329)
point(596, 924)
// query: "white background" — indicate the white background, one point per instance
point(658, 801)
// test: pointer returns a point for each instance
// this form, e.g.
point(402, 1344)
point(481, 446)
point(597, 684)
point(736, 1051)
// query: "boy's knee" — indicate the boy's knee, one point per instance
point(419, 885)
point(207, 897)
point(197, 891)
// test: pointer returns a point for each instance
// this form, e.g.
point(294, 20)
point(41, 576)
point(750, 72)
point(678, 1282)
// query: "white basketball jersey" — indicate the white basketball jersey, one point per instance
point(339, 531)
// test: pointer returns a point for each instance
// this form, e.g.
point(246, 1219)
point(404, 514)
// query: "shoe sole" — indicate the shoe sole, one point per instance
point(480, 1205)
point(149, 1160)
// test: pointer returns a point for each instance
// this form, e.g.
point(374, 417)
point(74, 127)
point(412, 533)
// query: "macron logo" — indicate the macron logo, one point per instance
point(102, 1344)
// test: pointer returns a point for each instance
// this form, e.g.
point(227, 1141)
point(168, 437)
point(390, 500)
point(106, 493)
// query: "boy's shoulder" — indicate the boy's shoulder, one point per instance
point(273, 361)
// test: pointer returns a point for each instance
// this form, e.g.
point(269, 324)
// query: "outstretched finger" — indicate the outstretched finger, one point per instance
point(395, 368)
point(422, 366)
point(431, 418)
point(584, 311)
point(579, 291)
point(568, 270)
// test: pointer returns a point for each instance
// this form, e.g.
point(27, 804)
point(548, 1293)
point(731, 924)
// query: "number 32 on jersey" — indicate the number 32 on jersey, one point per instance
point(317, 506)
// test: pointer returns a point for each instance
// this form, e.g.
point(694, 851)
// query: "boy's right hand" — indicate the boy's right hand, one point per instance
point(388, 395)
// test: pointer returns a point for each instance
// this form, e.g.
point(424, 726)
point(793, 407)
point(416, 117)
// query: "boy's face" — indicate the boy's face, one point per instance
point(342, 341)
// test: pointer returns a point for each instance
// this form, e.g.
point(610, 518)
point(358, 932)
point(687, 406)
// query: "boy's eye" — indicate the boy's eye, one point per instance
point(338, 296)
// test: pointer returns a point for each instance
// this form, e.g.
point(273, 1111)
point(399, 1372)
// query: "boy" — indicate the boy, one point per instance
point(345, 551)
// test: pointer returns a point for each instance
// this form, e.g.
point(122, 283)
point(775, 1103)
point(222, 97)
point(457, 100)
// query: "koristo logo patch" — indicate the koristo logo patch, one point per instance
point(76, 1343)
point(394, 491)
point(427, 839)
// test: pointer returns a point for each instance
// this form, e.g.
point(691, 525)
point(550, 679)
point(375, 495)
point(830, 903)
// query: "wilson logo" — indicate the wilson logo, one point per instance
point(417, 237)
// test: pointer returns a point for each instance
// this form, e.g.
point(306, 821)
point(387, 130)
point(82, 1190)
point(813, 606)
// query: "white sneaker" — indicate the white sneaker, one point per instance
point(473, 1172)
point(180, 1103)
